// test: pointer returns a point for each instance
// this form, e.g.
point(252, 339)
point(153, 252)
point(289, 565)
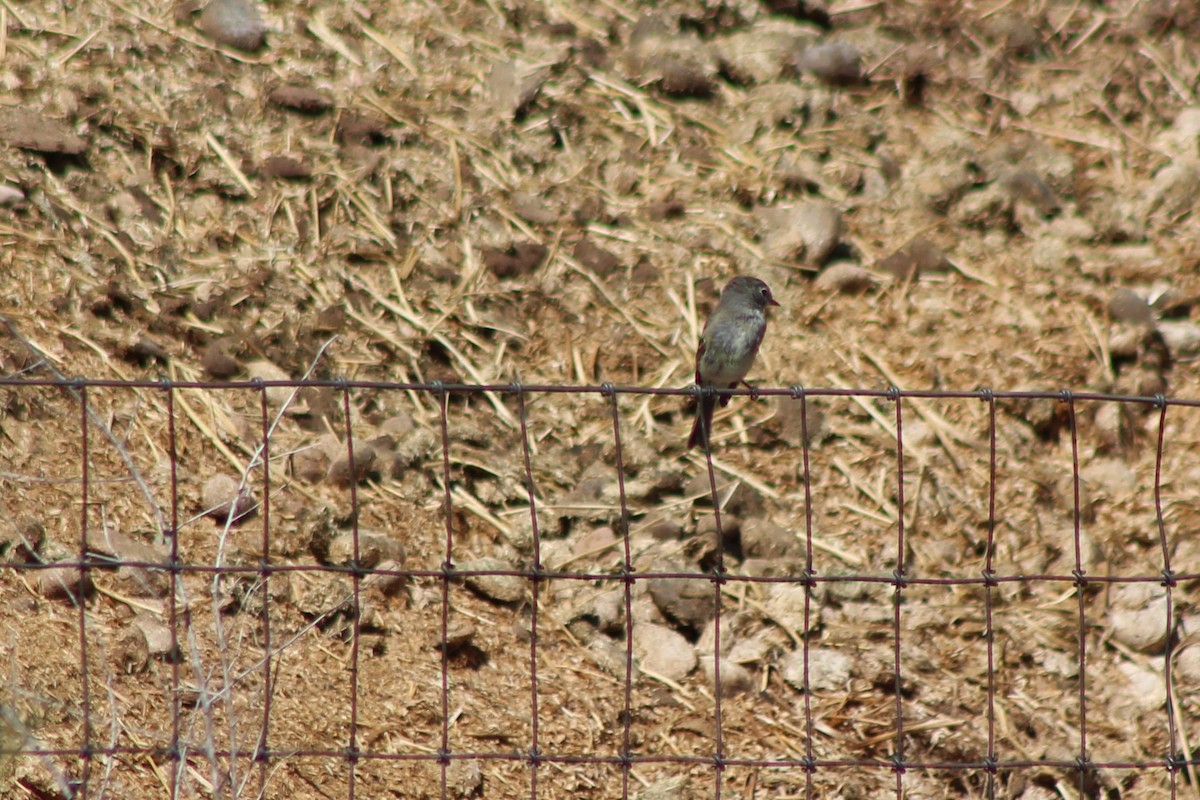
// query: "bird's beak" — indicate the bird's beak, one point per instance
point(772, 302)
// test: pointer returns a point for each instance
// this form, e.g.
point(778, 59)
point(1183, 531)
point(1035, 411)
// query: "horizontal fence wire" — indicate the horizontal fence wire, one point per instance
point(192, 733)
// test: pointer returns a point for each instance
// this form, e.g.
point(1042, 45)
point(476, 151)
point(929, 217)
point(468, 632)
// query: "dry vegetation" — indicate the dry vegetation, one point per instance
point(943, 195)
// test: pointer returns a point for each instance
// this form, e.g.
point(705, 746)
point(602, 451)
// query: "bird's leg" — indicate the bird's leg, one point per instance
point(753, 390)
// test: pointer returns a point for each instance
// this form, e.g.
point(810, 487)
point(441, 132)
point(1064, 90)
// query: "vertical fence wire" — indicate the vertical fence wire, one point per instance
point(809, 587)
point(1081, 583)
point(80, 594)
point(627, 583)
point(447, 575)
point(989, 588)
point(174, 584)
point(1168, 583)
point(262, 748)
point(898, 761)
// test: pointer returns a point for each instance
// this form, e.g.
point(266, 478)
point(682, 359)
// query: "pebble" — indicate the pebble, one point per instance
point(662, 651)
point(1174, 190)
point(340, 472)
point(1138, 616)
point(845, 277)
point(516, 260)
point(310, 463)
point(688, 601)
point(10, 195)
point(300, 98)
point(806, 232)
point(828, 669)
point(218, 362)
point(267, 371)
point(735, 678)
point(1182, 337)
point(374, 548)
point(133, 655)
point(1112, 476)
point(501, 588)
point(222, 501)
point(758, 54)
point(235, 23)
point(57, 582)
point(598, 259)
point(1126, 305)
point(765, 539)
point(157, 635)
point(464, 778)
point(514, 88)
point(836, 63)
point(29, 130)
point(285, 167)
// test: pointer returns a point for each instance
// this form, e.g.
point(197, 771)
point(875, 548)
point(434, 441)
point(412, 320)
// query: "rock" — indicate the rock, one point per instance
point(133, 656)
point(459, 634)
point(785, 606)
point(10, 196)
point(374, 548)
point(311, 463)
point(1146, 691)
point(829, 670)
point(666, 529)
point(806, 232)
point(1182, 337)
point(501, 588)
point(157, 636)
point(286, 167)
point(594, 542)
point(29, 539)
point(516, 260)
point(915, 258)
point(59, 582)
point(1127, 305)
point(1187, 664)
point(764, 539)
point(662, 651)
point(235, 23)
point(845, 277)
point(1138, 616)
point(217, 361)
point(264, 370)
point(679, 64)
point(688, 601)
point(735, 678)
point(514, 87)
point(464, 778)
point(596, 258)
point(1112, 476)
point(222, 500)
point(835, 63)
point(340, 472)
point(1174, 190)
point(1025, 185)
point(758, 54)
point(300, 98)
point(29, 130)
point(789, 425)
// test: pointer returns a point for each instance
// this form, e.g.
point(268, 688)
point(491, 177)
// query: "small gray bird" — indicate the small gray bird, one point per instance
point(728, 345)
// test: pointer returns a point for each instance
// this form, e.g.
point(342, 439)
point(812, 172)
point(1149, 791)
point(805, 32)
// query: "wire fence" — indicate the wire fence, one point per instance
point(218, 722)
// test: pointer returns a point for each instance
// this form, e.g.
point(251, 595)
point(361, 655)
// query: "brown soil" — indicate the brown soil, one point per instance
point(477, 193)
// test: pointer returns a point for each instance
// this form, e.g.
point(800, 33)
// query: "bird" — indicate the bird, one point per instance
point(729, 345)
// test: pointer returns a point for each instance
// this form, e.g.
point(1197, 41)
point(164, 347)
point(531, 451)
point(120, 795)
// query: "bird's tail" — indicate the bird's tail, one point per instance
point(702, 427)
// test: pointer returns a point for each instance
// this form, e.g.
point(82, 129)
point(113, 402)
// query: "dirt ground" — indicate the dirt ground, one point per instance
point(942, 195)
